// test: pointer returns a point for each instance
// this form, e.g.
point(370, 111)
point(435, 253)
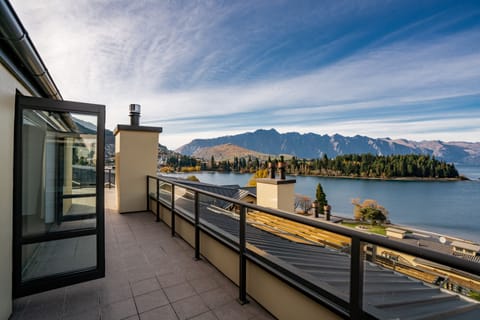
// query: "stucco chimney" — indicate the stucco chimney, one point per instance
point(130, 168)
point(276, 193)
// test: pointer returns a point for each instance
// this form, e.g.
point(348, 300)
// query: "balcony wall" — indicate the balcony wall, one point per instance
point(9, 84)
point(281, 300)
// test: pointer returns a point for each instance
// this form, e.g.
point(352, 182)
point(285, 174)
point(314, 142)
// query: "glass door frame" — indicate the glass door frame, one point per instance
point(20, 289)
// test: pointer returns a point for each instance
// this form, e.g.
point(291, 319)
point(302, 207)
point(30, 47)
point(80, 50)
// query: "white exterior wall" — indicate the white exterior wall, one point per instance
point(8, 86)
point(276, 194)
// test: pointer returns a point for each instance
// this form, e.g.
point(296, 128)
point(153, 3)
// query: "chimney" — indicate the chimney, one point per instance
point(281, 170)
point(130, 168)
point(134, 114)
point(271, 170)
point(327, 209)
point(276, 193)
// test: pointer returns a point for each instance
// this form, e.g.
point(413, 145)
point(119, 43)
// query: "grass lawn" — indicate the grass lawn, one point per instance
point(368, 227)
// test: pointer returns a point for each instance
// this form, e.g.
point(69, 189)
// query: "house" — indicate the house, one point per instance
point(395, 233)
point(465, 248)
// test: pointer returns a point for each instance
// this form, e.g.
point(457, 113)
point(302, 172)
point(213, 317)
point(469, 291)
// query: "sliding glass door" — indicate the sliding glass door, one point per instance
point(58, 194)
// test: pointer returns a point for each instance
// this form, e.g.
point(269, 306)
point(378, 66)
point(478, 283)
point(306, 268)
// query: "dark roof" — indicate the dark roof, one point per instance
point(231, 191)
point(387, 294)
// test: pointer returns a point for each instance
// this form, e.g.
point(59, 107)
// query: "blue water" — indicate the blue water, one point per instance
point(446, 207)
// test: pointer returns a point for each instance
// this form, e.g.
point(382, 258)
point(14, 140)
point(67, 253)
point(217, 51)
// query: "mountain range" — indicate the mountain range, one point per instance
point(311, 145)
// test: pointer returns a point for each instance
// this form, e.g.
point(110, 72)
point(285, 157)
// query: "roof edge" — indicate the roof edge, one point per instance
point(16, 37)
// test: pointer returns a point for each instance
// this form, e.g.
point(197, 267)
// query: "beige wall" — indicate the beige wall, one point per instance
point(136, 154)
point(276, 194)
point(273, 294)
point(8, 85)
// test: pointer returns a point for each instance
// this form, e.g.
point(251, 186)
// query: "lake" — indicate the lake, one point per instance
point(446, 207)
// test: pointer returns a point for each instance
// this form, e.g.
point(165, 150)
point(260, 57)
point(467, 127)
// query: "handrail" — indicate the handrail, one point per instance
point(356, 253)
point(108, 170)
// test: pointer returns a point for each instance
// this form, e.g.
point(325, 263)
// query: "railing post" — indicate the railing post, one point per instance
point(148, 194)
point(197, 226)
point(242, 277)
point(158, 200)
point(172, 207)
point(356, 279)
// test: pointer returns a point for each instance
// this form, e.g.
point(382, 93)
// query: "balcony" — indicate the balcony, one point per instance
point(149, 275)
point(210, 256)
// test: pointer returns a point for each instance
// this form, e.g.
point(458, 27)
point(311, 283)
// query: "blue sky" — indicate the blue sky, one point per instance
point(200, 69)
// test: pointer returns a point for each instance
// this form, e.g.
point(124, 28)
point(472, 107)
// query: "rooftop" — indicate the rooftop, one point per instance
point(149, 275)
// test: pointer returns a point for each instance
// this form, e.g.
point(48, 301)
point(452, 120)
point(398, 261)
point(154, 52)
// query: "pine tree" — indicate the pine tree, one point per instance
point(321, 198)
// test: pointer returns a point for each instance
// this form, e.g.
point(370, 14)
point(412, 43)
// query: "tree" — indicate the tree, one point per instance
point(321, 198)
point(369, 211)
point(302, 202)
point(213, 165)
point(262, 173)
point(373, 215)
point(357, 207)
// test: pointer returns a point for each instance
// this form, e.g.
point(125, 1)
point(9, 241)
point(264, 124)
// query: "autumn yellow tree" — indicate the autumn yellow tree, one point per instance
point(261, 173)
point(369, 211)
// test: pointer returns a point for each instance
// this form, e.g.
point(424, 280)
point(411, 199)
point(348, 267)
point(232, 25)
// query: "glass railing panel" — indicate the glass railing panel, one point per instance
point(165, 192)
point(152, 188)
point(406, 285)
point(316, 257)
point(218, 219)
point(184, 200)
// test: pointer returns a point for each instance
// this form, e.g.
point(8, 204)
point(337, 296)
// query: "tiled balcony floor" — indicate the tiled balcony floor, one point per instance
point(149, 275)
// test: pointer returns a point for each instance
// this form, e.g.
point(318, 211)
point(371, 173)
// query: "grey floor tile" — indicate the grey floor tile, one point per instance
point(55, 298)
point(115, 292)
point(178, 292)
point(171, 279)
point(162, 313)
point(216, 298)
point(92, 314)
point(119, 310)
point(209, 315)
point(138, 273)
point(204, 284)
point(164, 267)
point(79, 299)
point(189, 307)
point(151, 300)
point(144, 286)
point(45, 312)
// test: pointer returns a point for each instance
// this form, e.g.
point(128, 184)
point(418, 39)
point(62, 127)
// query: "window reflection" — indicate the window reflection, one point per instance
point(59, 173)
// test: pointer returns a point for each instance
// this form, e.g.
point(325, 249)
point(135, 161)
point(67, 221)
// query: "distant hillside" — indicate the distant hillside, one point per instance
point(313, 145)
point(228, 152)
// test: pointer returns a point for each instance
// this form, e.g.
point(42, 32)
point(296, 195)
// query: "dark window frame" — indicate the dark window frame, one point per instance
point(20, 289)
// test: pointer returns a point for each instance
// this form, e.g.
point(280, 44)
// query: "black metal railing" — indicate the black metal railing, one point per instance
point(162, 190)
point(109, 177)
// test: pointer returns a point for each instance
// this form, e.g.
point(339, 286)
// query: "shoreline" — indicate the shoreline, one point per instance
point(418, 179)
point(421, 232)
